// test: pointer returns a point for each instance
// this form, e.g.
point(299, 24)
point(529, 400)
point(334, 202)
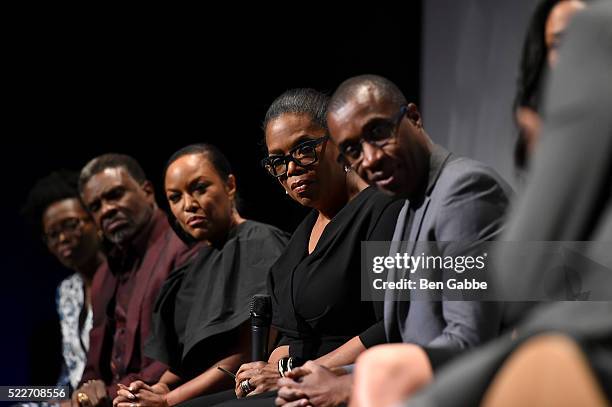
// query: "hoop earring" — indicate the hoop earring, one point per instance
point(347, 168)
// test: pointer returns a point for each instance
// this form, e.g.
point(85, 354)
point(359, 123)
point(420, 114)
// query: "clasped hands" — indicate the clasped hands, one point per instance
point(140, 394)
point(311, 384)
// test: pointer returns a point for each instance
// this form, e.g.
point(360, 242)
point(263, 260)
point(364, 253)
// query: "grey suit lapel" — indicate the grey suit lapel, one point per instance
point(437, 160)
point(389, 308)
point(413, 234)
point(396, 312)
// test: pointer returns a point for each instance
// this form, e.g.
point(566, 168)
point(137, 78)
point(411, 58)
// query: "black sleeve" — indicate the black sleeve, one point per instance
point(284, 341)
point(381, 230)
point(374, 335)
point(438, 357)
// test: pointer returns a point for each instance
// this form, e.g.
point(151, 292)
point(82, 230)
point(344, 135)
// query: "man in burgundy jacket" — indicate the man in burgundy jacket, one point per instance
point(143, 249)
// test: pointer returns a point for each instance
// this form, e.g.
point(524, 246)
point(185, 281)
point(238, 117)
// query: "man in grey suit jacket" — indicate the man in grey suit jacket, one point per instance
point(464, 202)
point(451, 203)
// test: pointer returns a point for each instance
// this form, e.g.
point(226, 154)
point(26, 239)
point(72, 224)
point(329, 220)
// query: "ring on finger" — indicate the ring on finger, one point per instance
point(246, 386)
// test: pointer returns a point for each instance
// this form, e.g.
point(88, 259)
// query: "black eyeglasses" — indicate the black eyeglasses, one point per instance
point(303, 154)
point(379, 135)
point(70, 226)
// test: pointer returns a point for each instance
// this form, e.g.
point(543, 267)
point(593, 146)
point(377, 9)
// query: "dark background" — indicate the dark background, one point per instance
point(147, 85)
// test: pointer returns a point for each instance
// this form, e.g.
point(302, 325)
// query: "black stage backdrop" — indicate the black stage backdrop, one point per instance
point(147, 85)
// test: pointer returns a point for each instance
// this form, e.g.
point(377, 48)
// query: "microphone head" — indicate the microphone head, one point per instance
point(261, 307)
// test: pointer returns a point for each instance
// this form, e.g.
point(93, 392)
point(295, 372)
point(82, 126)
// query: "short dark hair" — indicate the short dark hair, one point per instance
point(300, 101)
point(111, 160)
point(55, 187)
point(385, 88)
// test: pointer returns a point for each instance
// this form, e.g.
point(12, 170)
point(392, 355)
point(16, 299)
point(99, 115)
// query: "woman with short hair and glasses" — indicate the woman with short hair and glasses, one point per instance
point(54, 210)
point(315, 284)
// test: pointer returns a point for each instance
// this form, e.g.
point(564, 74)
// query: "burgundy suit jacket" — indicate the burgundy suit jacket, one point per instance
point(162, 252)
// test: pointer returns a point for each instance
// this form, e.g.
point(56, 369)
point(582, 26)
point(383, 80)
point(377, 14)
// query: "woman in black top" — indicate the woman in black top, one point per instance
point(200, 317)
point(315, 284)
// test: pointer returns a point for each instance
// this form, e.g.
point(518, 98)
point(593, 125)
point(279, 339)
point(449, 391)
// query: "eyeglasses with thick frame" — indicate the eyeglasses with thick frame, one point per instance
point(304, 154)
point(352, 153)
point(70, 226)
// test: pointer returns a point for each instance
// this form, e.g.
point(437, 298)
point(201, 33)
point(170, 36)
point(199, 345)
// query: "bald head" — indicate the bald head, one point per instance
point(366, 87)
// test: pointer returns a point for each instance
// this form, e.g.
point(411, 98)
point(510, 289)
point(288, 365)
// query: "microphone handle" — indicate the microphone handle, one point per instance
point(259, 342)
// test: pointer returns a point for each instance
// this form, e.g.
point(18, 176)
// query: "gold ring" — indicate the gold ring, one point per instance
point(82, 398)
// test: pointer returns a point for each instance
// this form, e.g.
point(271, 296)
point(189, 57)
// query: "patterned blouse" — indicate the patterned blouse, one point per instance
point(75, 324)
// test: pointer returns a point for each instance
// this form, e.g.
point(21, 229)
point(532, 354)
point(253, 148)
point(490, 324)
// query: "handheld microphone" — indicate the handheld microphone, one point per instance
point(261, 318)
